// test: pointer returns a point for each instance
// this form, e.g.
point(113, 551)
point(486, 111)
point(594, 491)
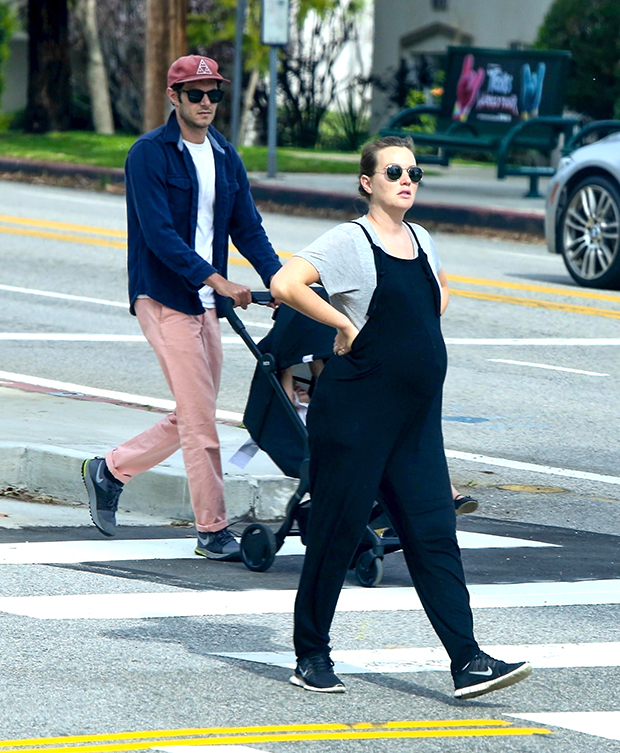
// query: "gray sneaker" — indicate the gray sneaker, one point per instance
point(218, 545)
point(103, 495)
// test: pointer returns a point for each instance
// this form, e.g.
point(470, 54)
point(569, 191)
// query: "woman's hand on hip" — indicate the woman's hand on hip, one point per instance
point(344, 339)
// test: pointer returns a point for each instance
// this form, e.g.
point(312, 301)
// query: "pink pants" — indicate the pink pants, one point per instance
point(189, 350)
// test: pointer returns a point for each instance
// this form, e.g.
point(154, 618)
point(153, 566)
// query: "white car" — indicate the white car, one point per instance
point(582, 220)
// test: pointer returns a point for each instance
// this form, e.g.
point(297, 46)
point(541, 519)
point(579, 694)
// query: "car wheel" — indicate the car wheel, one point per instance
point(589, 233)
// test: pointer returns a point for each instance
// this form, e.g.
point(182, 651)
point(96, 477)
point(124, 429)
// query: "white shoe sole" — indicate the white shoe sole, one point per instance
point(301, 683)
point(472, 691)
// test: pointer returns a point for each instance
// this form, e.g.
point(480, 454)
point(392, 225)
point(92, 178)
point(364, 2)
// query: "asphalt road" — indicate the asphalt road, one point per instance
point(99, 638)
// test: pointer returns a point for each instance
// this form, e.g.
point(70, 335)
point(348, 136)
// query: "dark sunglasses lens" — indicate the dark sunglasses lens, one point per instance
point(216, 95)
point(415, 174)
point(393, 172)
point(195, 95)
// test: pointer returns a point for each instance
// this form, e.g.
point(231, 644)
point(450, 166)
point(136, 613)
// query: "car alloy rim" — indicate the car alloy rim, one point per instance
point(591, 232)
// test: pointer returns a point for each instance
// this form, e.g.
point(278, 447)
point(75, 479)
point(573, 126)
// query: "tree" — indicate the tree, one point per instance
point(590, 29)
point(49, 78)
point(165, 42)
point(7, 25)
point(122, 27)
point(320, 31)
point(98, 85)
point(213, 33)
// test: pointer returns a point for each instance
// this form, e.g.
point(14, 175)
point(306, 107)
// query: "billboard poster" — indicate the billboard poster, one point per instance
point(503, 86)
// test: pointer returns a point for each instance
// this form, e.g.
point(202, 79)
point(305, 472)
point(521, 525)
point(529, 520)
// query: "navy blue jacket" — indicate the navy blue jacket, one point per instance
point(162, 211)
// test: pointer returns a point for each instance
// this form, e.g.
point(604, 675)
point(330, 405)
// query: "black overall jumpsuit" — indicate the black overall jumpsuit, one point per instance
point(374, 425)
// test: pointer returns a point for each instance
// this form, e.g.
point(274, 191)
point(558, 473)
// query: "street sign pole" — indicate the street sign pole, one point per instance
point(274, 32)
point(272, 114)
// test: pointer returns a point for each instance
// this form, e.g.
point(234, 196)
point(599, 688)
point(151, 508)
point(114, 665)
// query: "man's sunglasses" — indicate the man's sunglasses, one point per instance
point(394, 172)
point(196, 95)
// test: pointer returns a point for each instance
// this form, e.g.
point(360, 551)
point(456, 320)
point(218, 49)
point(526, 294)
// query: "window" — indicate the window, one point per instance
point(439, 4)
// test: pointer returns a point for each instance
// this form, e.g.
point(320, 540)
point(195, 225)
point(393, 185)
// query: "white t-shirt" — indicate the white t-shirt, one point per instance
point(202, 154)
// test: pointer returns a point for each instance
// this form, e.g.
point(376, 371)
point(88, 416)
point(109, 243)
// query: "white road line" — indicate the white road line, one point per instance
point(121, 397)
point(100, 301)
point(547, 366)
point(597, 723)
point(66, 552)
point(546, 341)
point(125, 397)
point(91, 338)
point(399, 660)
point(63, 296)
point(533, 467)
point(225, 603)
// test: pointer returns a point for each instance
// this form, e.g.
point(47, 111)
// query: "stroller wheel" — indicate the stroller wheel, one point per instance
point(258, 547)
point(369, 569)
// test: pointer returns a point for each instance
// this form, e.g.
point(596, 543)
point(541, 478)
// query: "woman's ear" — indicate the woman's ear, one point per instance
point(365, 183)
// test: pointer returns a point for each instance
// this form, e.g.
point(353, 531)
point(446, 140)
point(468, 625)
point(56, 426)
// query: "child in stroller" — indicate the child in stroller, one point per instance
point(290, 359)
point(292, 352)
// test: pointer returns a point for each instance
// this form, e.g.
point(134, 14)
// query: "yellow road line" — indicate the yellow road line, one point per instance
point(431, 729)
point(63, 237)
point(50, 224)
point(571, 293)
point(497, 298)
point(151, 734)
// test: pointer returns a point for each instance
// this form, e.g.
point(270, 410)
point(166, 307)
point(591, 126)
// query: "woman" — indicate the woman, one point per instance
point(374, 422)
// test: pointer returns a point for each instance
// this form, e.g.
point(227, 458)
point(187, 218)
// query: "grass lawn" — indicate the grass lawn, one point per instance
point(84, 147)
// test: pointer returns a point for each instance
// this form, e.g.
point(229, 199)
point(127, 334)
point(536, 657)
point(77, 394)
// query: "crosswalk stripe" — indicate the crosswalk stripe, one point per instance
point(196, 604)
point(72, 552)
point(400, 660)
point(597, 723)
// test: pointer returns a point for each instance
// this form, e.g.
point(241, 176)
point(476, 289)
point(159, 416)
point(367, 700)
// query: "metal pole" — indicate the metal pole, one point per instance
point(272, 113)
point(237, 73)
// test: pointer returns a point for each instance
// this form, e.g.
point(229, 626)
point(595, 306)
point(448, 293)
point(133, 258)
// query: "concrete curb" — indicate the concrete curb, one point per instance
point(56, 472)
point(522, 222)
point(61, 169)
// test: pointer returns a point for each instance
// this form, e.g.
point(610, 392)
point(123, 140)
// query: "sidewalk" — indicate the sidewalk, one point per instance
point(466, 195)
point(47, 436)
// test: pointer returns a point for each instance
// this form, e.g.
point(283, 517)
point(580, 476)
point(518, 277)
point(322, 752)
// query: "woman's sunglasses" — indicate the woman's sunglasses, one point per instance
point(195, 95)
point(394, 172)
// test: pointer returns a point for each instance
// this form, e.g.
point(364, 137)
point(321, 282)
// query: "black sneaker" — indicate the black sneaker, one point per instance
point(464, 505)
point(484, 674)
point(315, 673)
point(103, 494)
point(219, 545)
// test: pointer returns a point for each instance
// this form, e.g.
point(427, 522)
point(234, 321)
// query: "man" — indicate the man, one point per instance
point(187, 191)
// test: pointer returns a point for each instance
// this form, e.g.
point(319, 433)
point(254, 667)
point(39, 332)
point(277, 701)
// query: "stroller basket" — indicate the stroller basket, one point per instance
point(277, 428)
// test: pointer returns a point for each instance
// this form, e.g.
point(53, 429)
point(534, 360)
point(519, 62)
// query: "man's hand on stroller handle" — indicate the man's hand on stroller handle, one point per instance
point(241, 295)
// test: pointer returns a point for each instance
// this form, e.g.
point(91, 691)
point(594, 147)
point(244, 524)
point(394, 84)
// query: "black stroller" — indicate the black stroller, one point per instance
point(274, 424)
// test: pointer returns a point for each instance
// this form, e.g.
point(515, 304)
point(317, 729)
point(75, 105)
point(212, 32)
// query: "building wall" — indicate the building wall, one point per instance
point(406, 28)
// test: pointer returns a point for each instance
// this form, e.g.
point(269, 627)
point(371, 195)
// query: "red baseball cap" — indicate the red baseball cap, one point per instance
point(193, 68)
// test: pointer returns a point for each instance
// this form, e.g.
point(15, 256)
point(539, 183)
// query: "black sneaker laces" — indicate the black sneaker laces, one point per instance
point(321, 662)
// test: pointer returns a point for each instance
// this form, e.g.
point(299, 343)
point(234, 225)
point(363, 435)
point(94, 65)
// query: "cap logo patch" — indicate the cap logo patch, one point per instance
point(203, 68)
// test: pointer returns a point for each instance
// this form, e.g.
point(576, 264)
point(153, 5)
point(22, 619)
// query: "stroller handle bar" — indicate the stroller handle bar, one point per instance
point(260, 297)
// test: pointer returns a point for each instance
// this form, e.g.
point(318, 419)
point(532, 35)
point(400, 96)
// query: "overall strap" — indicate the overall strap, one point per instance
point(377, 252)
point(379, 267)
point(426, 266)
